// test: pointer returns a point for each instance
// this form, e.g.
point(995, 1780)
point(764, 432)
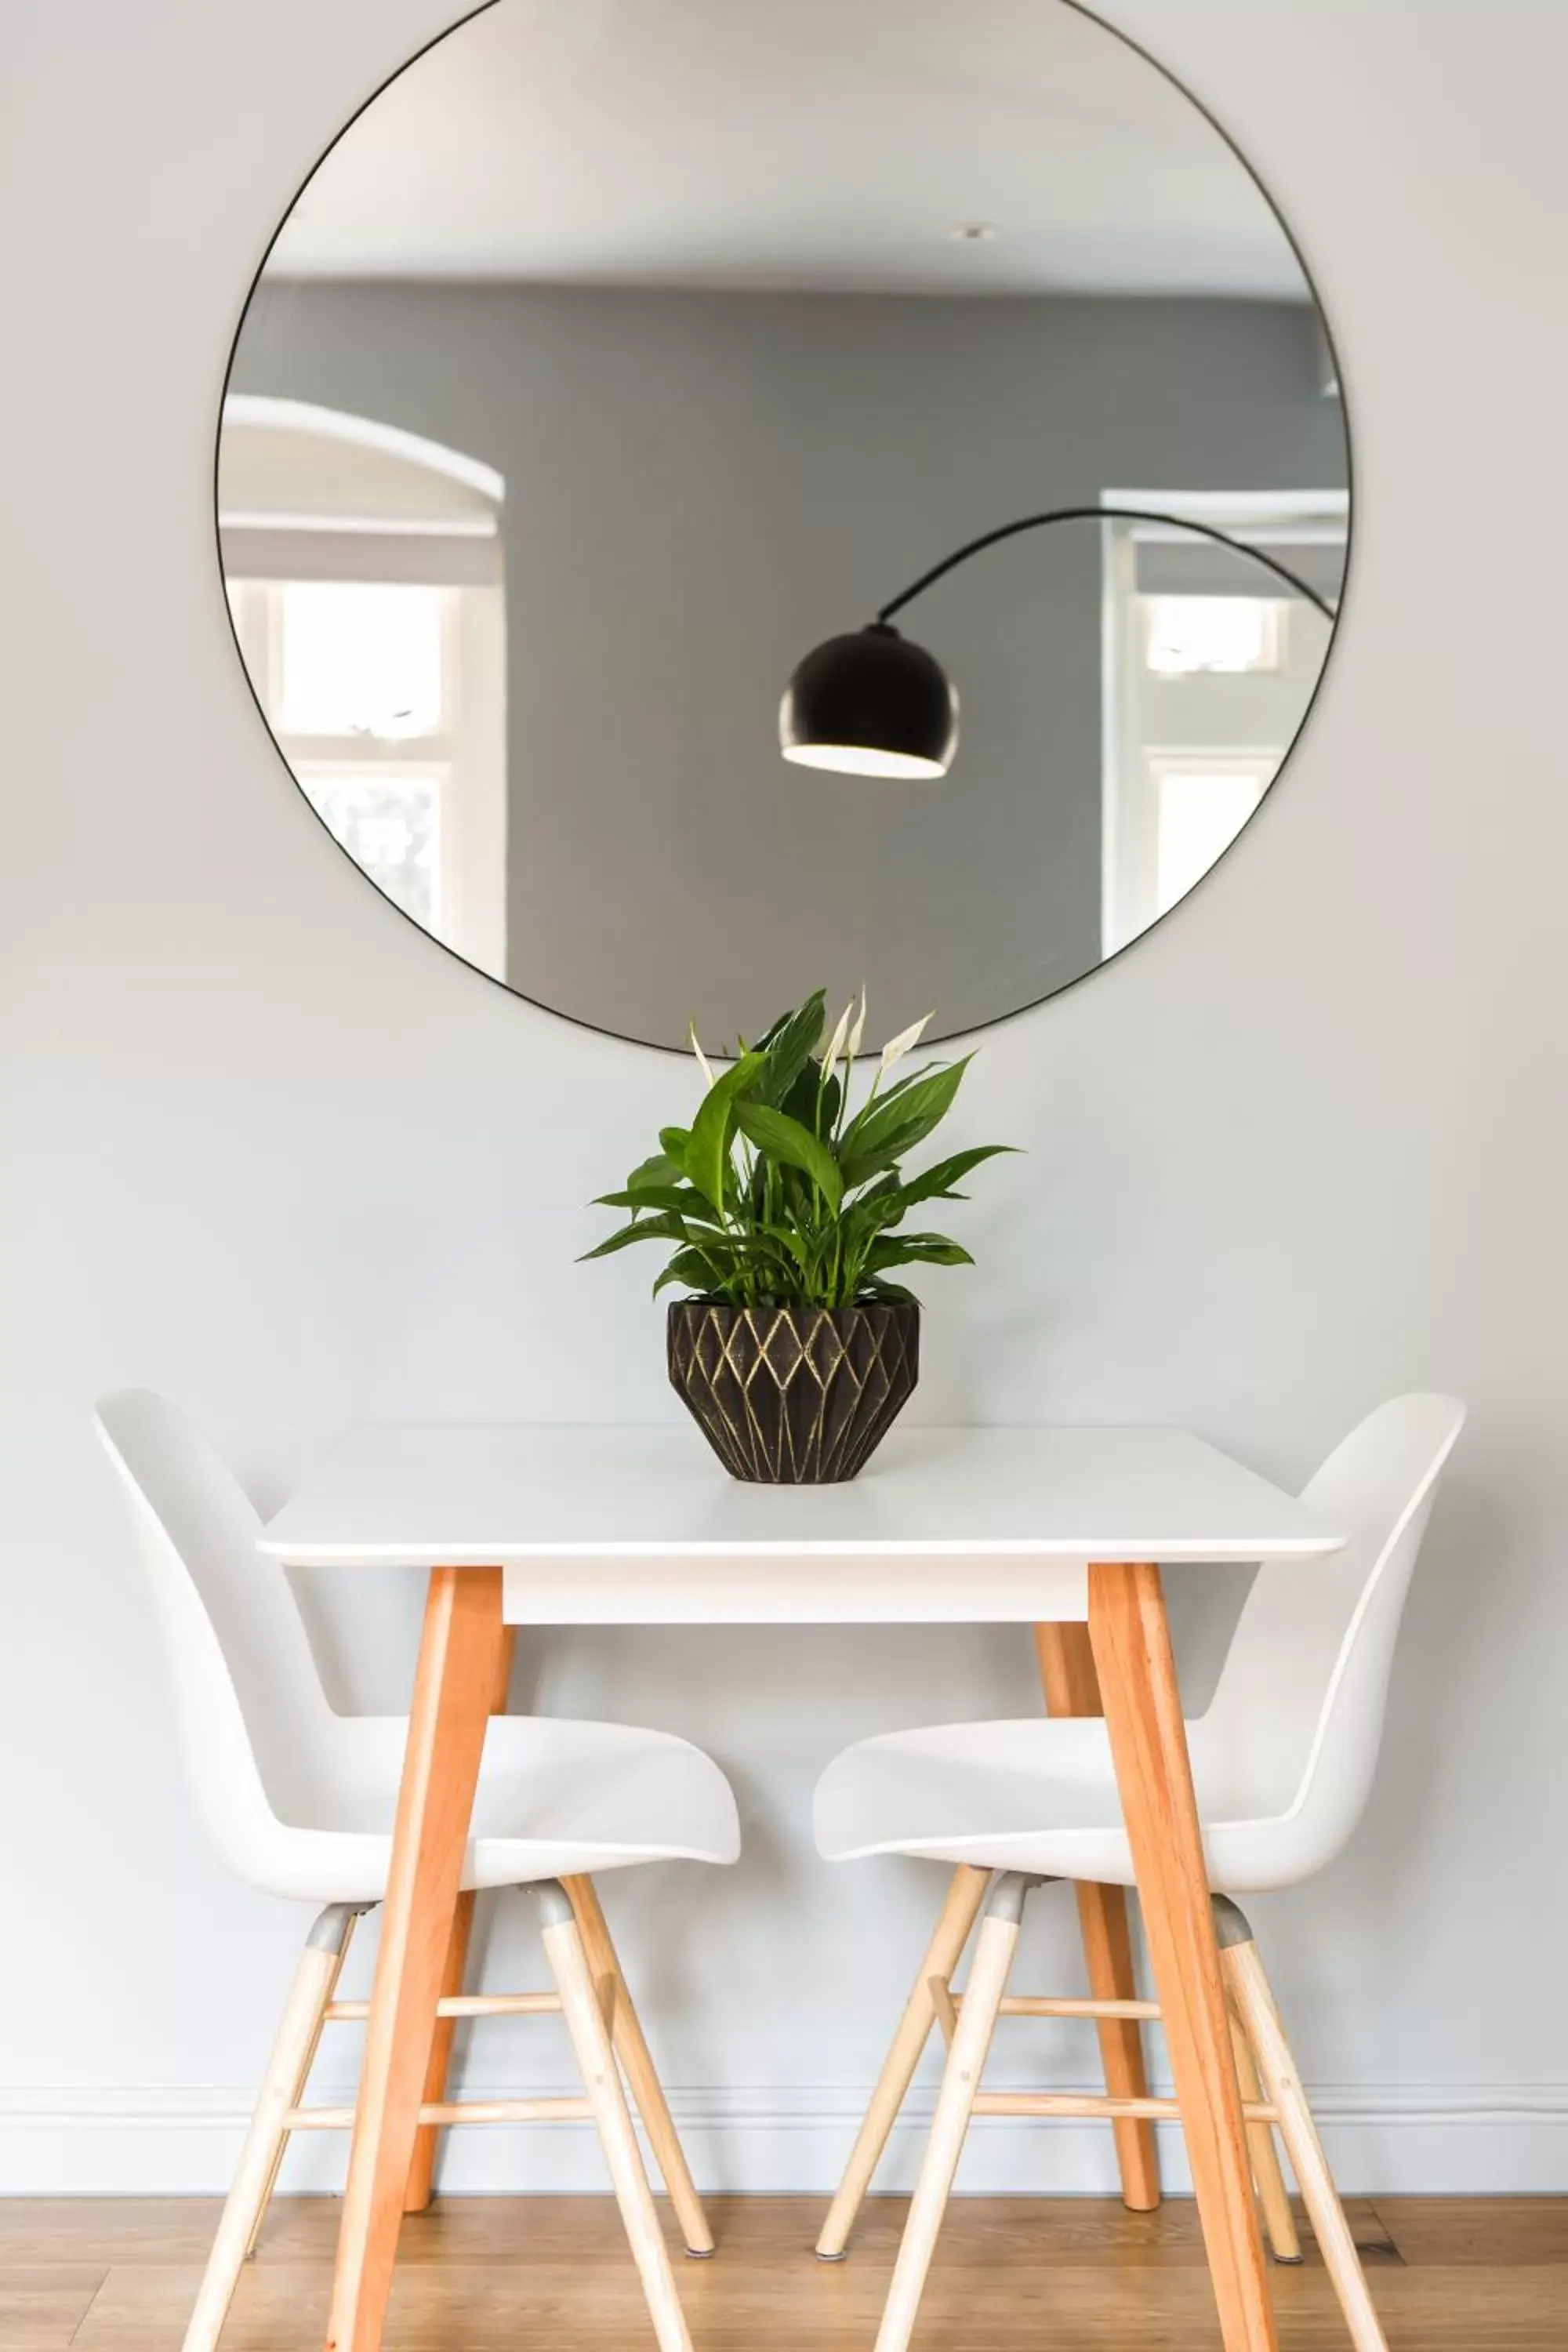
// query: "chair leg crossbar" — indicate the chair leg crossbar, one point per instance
point(1272, 2097)
point(592, 2000)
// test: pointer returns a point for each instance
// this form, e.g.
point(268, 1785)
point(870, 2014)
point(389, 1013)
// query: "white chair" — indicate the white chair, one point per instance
point(1282, 1763)
point(300, 1800)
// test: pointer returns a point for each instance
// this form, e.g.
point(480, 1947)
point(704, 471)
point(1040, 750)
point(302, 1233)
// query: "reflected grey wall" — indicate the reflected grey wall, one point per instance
point(700, 486)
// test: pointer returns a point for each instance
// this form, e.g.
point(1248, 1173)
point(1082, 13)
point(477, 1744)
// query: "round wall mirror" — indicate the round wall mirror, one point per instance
point(616, 359)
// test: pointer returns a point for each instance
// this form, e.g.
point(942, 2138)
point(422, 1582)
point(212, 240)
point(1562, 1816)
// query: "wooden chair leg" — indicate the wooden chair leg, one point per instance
point(585, 2024)
point(994, 1954)
point(1279, 2221)
point(637, 2061)
point(965, 1893)
point(1071, 1685)
point(315, 1981)
point(1249, 1990)
point(356, 1912)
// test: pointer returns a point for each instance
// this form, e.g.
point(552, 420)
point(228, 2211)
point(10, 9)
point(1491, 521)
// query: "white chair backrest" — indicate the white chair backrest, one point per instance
point(254, 1722)
point(1296, 1718)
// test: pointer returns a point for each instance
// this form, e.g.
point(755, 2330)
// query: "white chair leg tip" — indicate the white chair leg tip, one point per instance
point(841, 2256)
point(700, 2253)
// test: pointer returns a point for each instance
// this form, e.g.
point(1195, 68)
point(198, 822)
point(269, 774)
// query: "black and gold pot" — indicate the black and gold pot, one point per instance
point(794, 1396)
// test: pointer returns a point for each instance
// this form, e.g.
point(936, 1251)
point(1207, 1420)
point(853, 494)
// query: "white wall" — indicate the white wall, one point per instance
point(268, 1149)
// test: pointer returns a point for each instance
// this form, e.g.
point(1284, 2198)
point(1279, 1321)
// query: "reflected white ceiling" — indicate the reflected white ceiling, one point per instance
point(791, 143)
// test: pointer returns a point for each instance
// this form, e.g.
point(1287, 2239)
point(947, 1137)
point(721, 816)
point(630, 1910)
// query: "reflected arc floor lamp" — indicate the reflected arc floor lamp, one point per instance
point(874, 703)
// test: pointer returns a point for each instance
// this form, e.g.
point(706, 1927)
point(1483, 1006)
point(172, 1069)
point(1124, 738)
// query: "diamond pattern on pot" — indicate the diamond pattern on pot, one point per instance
point(794, 1396)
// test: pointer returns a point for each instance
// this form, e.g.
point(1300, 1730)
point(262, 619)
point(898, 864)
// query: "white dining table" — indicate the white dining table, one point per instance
point(1064, 1529)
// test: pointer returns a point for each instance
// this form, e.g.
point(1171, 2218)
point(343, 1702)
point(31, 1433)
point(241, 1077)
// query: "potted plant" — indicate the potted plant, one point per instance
point(785, 1212)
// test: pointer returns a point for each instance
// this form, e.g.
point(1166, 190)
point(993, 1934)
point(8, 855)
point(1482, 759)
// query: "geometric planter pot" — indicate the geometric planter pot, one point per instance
point(794, 1396)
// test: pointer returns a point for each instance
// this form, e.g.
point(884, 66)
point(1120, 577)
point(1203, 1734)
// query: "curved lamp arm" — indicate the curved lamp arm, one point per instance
point(875, 704)
point(1098, 514)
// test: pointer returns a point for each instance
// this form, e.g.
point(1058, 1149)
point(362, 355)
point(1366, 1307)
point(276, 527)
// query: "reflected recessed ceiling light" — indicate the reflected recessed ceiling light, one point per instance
point(973, 232)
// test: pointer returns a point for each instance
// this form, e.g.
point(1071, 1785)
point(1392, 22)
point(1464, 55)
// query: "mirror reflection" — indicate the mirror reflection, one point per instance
point(617, 357)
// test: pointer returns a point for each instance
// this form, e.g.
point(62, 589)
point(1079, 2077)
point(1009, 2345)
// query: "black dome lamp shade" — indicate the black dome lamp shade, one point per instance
point(873, 703)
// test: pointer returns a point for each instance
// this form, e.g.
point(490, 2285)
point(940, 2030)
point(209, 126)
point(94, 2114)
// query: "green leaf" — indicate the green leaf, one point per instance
point(675, 1142)
point(650, 1174)
point(885, 1130)
point(708, 1151)
point(915, 1249)
point(794, 1242)
point(884, 1204)
point(773, 1029)
point(888, 1201)
point(875, 1103)
point(884, 1294)
point(788, 1048)
point(814, 1099)
point(679, 1200)
point(922, 1099)
point(785, 1138)
point(936, 1183)
point(642, 1229)
point(690, 1267)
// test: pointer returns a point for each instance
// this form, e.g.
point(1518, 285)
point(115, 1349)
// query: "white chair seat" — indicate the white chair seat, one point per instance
point(1036, 1795)
point(556, 1799)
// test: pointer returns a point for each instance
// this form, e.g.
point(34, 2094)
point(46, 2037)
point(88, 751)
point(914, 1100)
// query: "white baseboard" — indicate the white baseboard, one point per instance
point(1480, 2138)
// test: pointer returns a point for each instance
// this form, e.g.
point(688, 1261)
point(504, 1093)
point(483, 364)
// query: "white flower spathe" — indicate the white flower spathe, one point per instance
point(859, 1031)
point(897, 1048)
point(836, 1042)
point(702, 1061)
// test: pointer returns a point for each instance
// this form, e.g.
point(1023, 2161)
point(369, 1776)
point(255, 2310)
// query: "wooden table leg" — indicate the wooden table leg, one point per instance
point(454, 1694)
point(1131, 1642)
point(422, 2172)
point(1072, 1688)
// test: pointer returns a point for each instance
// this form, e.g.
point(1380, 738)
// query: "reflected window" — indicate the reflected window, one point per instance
point(1205, 682)
point(1186, 634)
point(1201, 807)
point(388, 817)
point(361, 658)
point(376, 693)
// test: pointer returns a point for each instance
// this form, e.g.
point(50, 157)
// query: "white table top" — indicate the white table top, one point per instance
point(614, 1524)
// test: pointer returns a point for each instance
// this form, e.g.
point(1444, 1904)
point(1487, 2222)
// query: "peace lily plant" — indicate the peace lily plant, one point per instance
point(779, 1194)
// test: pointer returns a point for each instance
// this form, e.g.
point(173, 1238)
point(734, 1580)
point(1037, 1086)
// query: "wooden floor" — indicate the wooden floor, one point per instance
point(1065, 2274)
